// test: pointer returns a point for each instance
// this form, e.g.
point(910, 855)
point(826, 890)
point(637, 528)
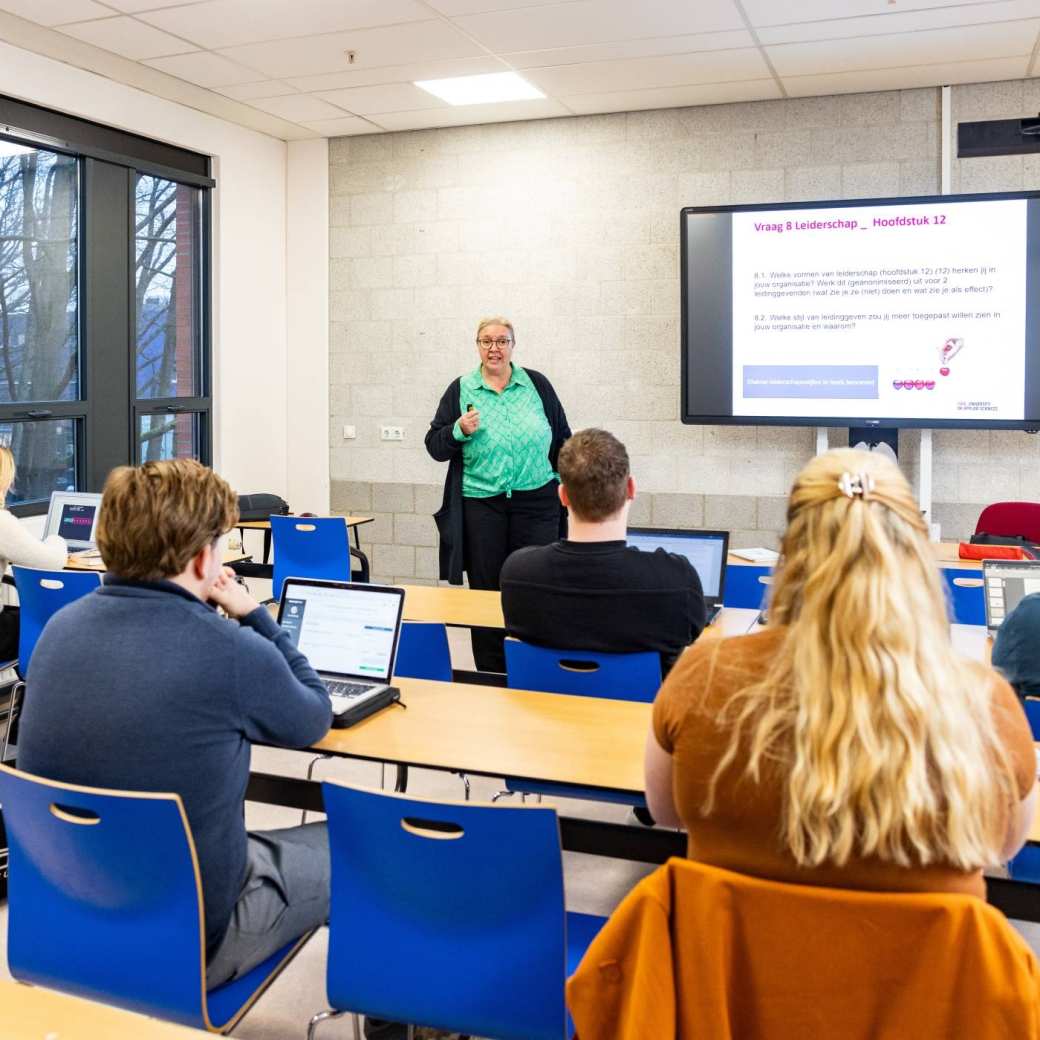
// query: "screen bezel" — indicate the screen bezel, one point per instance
point(1031, 425)
point(360, 587)
point(692, 532)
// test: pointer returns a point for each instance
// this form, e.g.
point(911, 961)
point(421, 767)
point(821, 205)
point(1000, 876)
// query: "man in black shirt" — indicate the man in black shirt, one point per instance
point(590, 591)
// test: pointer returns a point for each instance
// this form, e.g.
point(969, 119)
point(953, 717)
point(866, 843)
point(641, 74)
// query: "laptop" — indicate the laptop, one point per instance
point(1006, 582)
point(349, 632)
point(74, 515)
point(706, 550)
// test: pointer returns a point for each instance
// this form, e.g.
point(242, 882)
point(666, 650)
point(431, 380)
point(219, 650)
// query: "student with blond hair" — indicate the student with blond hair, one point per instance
point(20, 547)
point(847, 744)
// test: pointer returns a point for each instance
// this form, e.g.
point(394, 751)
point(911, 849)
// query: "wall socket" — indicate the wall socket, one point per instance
point(391, 433)
point(349, 433)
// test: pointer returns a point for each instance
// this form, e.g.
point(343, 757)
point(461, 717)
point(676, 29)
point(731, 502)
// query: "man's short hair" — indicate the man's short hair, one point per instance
point(593, 467)
point(157, 517)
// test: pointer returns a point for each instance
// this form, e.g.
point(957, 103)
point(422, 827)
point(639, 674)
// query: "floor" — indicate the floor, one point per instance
point(593, 884)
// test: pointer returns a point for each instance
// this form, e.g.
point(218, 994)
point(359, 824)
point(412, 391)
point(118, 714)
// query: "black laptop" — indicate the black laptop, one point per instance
point(706, 550)
point(349, 632)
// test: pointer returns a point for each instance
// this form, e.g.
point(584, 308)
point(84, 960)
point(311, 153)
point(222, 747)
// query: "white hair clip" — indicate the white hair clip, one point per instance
point(856, 484)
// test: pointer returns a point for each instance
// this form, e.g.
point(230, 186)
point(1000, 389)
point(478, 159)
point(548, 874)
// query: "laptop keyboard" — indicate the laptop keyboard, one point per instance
point(346, 690)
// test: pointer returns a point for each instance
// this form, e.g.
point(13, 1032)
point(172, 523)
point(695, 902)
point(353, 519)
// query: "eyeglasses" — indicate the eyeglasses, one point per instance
point(501, 342)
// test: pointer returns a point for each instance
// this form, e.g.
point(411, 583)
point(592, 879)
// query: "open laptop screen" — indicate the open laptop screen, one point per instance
point(73, 515)
point(342, 628)
point(706, 550)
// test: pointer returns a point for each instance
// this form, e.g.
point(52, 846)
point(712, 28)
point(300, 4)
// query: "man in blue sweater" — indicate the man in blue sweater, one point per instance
point(143, 686)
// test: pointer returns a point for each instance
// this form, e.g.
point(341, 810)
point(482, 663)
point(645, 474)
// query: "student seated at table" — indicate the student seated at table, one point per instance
point(590, 591)
point(20, 547)
point(847, 744)
point(143, 686)
point(1016, 649)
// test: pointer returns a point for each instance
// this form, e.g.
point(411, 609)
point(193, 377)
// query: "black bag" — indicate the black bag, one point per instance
point(260, 507)
point(1031, 550)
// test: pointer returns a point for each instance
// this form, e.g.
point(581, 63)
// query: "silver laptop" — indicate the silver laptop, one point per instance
point(349, 632)
point(1006, 582)
point(74, 515)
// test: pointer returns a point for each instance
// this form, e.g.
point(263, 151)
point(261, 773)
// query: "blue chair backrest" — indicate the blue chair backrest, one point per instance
point(965, 602)
point(423, 652)
point(625, 677)
point(747, 586)
point(472, 898)
point(103, 897)
point(1026, 865)
point(41, 594)
point(309, 547)
point(1032, 707)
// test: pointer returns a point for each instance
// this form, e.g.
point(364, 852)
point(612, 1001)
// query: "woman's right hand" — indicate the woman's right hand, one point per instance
point(469, 422)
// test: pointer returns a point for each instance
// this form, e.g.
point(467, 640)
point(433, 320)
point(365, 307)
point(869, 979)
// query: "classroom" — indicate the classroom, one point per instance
point(643, 396)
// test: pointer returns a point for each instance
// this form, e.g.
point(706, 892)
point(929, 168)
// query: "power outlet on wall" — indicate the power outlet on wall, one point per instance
point(391, 433)
point(349, 433)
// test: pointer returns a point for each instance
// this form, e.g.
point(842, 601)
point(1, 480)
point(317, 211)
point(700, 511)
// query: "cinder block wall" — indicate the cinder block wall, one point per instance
point(570, 228)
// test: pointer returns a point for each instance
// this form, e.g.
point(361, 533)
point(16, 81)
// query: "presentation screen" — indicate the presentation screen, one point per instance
point(884, 312)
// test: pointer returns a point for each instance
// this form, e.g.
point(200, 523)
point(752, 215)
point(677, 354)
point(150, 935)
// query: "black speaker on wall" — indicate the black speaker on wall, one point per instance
point(998, 137)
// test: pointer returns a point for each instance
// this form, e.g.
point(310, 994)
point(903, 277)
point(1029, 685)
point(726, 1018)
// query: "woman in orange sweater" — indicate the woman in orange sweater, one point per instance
point(847, 744)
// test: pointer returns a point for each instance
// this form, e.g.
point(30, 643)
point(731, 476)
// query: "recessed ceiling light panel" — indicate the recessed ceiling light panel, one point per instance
point(481, 90)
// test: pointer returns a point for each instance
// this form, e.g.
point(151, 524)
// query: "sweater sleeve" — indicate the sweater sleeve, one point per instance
point(20, 547)
point(281, 698)
point(441, 442)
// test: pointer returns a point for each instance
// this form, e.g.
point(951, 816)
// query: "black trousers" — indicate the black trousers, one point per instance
point(494, 527)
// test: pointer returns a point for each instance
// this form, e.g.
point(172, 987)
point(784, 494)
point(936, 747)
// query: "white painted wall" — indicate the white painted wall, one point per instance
point(249, 252)
point(307, 294)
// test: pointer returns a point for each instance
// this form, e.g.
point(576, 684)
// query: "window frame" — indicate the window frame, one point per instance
point(108, 411)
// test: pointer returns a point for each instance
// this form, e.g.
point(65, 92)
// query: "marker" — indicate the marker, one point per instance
point(469, 408)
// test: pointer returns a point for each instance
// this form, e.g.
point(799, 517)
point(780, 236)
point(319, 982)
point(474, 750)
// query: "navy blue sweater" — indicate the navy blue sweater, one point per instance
point(143, 687)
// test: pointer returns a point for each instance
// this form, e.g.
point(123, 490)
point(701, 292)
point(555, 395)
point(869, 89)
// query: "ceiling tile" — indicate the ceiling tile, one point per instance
point(673, 97)
point(906, 21)
point(622, 49)
point(54, 12)
point(394, 45)
point(643, 73)
point(769, 12)
point(597, 21)
point(127, 36)
point(298, 107)
point(467, 115)
point(265, 88)
point(366, 77)
point(229, 23)
point(452, 8)
point(204, 68)
point(389, 97)
point(347, 126)
point(1003, 40)
point(133, 6)
point(904, 78)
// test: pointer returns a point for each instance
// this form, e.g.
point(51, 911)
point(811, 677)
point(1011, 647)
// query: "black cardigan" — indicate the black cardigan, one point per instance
point(442, 446)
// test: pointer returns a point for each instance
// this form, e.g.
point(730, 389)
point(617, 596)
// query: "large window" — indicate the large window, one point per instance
point(104, 337)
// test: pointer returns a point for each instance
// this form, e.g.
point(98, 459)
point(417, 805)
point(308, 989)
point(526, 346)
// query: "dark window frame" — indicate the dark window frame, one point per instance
point(108, 410)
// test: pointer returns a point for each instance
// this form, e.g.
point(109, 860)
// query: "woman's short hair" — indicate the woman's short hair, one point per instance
point(157, 517)
point(594, 468)
point(504, 322)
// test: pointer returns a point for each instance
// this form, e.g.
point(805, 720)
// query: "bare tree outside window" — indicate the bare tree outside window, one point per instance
point(39, 341)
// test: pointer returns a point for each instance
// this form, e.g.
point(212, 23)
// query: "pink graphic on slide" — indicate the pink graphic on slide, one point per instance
point(950, 349)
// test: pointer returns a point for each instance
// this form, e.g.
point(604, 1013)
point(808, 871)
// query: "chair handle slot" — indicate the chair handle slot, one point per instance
point(765, 579)
point(51, 583)
point(578, 666)
point(968, 583)
point(306, 527)
point(73, 814)
point(440, 830)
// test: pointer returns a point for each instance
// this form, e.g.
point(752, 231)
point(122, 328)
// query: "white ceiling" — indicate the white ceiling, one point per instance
point(281, 66)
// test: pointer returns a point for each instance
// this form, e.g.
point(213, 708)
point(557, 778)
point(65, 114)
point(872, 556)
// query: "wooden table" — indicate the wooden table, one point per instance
point(95, 563)
point(945, 555)
point(353, 523)
point(34, 1013)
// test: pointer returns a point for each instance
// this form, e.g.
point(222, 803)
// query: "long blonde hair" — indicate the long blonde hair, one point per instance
point(885, 736)
point(7, 472)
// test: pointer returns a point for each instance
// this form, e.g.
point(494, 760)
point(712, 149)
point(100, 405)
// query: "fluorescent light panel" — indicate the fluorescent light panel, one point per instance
point(481, 90)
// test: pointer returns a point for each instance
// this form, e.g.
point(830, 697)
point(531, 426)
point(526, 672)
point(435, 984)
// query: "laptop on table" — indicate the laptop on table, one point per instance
point(1006, 583)
point(706, 550)
point(349, 632)
point(74, 515)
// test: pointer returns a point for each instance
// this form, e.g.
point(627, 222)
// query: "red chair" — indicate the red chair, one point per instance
point(1010, 519)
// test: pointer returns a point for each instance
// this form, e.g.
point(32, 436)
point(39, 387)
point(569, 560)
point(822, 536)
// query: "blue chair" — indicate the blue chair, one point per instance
point(965, 601)
point(1032, 707)
point(1026, 865)
point(583, 673)
point(472, 898)
point(41, 594)
point(309, 547)
point(105, 903)
point(746, 586)
point(423, 652)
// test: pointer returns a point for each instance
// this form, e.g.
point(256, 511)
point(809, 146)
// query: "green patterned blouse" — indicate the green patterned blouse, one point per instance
point(510, 450)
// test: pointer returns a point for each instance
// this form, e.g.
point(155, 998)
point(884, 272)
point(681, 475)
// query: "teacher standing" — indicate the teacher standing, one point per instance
point(500, 428)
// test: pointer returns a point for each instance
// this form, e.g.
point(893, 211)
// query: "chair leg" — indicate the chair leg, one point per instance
point(465, 785)
point(502, 794)
point(357, 1027)
point(321, 1016)
point(411, 1032)
point(14, 709)
point(310, 775)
